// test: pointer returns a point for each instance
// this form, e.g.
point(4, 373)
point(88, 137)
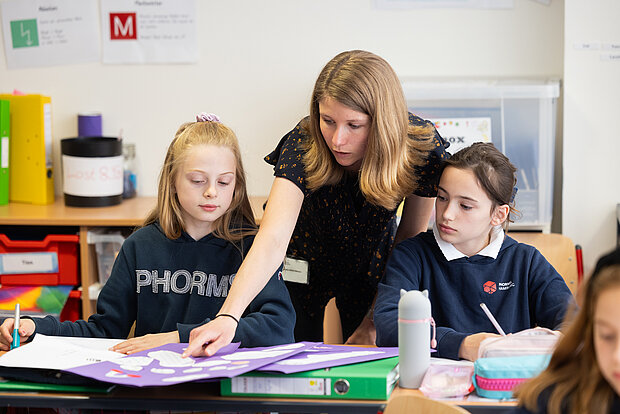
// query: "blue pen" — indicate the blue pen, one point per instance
point(15, 342)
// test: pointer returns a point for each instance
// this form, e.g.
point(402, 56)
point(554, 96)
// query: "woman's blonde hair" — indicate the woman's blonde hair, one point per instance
point(238, 221)
point(366, 83)
point(573, 377)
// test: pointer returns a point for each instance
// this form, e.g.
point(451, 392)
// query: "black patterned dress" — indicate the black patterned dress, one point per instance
point(345, 239)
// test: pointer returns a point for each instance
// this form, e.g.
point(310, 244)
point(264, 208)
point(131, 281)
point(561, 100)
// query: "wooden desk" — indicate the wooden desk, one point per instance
point(205, 397)
point(184, 397)
point(130, 213)
point(476, 406)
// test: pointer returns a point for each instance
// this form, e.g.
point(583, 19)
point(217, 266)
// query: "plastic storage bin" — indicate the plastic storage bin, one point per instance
point(51, 261)
point(107, 246)
point(523, 118)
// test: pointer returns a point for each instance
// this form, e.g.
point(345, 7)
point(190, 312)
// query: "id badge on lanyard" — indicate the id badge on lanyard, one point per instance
point(295, 270)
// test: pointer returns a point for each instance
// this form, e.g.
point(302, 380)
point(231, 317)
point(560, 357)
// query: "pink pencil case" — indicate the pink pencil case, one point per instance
point(497, 377)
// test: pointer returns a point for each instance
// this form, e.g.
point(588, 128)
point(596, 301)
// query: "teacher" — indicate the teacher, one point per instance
point(340, 175)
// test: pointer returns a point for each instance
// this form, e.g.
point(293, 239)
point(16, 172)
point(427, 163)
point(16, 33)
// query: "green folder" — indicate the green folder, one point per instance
point(5, 129)
point(372, 380)
point(38, 386)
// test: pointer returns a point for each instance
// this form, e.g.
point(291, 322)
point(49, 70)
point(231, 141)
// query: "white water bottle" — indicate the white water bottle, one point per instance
point(414, 337)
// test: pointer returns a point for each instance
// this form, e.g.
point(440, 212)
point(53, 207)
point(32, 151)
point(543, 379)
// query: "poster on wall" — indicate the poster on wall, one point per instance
point(446, 4)
point(462, 132)
point(49, 33)
point(157, 31)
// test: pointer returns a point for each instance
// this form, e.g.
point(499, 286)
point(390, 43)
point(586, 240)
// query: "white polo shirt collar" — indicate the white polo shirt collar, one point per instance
point(452, 253)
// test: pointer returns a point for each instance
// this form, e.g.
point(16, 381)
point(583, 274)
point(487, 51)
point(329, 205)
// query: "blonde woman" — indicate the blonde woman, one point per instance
point(340, 175)
point(583, 375)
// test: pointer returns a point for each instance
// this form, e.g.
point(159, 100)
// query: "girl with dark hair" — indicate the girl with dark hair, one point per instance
point(467, 260)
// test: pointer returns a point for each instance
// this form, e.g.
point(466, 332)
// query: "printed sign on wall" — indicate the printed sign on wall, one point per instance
point(462, 132)
point(162, 31)
point(51, 32)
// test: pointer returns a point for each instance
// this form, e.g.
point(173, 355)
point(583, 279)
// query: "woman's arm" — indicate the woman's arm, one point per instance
point(416, 214)
point(270, 317)
point(265, 256)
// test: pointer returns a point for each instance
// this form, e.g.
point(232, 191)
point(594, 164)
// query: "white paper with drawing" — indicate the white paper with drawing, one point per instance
point(60, 352)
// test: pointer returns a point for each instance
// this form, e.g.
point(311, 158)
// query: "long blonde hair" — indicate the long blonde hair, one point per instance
point(238, 221)
point(366, 83)
point(573, 377)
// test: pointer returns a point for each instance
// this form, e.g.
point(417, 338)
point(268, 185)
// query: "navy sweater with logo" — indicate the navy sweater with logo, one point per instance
point(520, 288)
point(169, 285)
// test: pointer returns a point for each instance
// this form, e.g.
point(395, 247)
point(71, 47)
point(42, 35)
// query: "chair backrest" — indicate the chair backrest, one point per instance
point(414, 404)
point(332, 329)
point(559, 250)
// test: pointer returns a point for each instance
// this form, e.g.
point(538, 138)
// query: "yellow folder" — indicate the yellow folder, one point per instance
point(30, 164)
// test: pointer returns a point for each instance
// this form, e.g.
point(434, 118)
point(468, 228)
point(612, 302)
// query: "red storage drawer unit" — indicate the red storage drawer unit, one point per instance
point(51, 261)
point(72, 311)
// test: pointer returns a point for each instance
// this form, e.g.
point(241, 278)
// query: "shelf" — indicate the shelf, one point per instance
point(130, 212)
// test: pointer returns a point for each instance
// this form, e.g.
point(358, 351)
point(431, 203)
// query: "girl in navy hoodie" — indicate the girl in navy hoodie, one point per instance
point(467, 260)
point(175, 272)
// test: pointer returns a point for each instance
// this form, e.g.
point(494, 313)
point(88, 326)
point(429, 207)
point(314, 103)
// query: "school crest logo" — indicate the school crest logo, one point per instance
point(489, 287)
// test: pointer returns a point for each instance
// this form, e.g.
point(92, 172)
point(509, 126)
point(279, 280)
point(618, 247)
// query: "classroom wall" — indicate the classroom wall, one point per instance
point(258, 62)
point(591, 141)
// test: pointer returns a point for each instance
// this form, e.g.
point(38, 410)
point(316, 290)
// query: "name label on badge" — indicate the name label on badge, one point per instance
point(295, 270)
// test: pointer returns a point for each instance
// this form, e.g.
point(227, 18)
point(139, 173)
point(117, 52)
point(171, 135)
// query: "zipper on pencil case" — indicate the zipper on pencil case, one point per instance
point(498, 384)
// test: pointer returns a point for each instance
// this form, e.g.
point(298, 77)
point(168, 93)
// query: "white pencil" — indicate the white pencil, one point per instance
point(492, 319)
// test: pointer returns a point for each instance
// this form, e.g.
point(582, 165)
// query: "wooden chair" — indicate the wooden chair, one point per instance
point(418, 404)
point(559, 250)
point(332, 329)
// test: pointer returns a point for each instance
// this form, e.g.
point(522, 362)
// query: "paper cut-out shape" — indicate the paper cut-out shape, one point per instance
point(211, 363)
point(134, 360)
point(132, 367)
point(170, 359)
point(162, 371)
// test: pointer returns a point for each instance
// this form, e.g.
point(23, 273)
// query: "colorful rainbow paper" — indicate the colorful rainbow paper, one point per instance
point(34, 299)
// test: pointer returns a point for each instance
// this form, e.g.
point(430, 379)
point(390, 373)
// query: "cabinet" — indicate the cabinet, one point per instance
point(519, 118)
point(129, 214)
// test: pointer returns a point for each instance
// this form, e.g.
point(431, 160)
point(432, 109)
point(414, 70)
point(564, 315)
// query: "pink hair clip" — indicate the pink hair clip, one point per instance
point(204, 117)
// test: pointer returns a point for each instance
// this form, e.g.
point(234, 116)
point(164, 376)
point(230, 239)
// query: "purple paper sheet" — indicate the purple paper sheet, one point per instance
point(323, 356)
point(160, 366)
